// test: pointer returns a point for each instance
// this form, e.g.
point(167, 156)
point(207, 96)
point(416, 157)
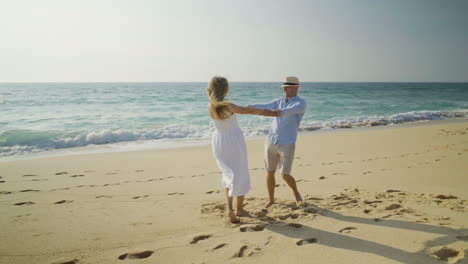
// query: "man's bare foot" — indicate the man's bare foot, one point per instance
point(299, 201)
point(233, 217)
point(270, 203)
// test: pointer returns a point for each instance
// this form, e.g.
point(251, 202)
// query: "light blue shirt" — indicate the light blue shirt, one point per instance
point(284, 128)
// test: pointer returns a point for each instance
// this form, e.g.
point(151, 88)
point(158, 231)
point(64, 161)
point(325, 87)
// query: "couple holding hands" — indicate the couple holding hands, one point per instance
point(229, 146)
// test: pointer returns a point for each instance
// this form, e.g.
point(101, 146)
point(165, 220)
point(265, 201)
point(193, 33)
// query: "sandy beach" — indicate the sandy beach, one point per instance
point(391, 195)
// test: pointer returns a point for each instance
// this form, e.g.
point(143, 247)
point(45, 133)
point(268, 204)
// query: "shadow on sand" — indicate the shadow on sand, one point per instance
point(306, 234)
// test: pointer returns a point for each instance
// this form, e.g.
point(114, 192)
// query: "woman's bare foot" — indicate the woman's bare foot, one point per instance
point(270, 203)
point(240, 212)
point(233, 217)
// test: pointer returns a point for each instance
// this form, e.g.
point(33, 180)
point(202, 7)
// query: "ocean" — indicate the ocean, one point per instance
point(41, 118)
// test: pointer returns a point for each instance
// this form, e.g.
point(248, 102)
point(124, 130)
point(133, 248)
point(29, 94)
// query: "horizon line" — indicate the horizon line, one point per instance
point(231, 82)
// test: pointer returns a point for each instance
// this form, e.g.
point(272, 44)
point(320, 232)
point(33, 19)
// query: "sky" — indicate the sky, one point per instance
point(243, 40)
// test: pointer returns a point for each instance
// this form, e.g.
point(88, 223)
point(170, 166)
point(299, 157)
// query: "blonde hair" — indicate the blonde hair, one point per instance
point(216, 91)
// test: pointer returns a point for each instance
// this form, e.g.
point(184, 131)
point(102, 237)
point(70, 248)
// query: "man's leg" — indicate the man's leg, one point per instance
point(292, 183)
point(286, 161)
point(271, 188)
point(271, 163)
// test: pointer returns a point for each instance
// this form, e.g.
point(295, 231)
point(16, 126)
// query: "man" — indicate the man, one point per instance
point(281, 141)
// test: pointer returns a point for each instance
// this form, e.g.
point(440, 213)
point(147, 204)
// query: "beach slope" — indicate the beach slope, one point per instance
point(393, 195)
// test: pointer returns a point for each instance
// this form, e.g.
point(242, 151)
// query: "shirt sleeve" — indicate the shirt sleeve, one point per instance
point(294, 109)
point(273, 105)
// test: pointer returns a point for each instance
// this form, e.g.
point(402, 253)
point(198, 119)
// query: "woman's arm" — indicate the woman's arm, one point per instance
point(253, 111)
point(273, 105)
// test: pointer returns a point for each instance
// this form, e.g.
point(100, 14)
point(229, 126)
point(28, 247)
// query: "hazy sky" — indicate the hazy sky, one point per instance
point(244, 40)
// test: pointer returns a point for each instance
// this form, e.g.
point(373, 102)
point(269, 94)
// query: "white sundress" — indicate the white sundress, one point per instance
point(230, 151)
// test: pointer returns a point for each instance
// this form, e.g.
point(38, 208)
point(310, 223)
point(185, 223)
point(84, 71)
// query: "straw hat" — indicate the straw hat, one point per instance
point(291, 81)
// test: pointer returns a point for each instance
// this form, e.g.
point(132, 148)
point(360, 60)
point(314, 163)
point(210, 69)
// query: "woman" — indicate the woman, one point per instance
point(228, 142)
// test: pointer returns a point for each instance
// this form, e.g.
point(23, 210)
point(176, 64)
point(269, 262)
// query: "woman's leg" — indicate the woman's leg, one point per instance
point(231, 213)
point(240, 205)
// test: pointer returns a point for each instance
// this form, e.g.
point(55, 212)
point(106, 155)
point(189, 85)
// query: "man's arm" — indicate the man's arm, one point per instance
point(297, 108)
point(273, 105)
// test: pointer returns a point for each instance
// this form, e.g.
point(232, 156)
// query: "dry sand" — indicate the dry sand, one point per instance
point(393, 195)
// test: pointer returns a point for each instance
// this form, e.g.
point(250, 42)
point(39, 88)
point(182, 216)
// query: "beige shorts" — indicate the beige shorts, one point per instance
point(279, 157)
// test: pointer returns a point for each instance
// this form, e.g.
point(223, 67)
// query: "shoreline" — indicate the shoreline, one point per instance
point(155, 145)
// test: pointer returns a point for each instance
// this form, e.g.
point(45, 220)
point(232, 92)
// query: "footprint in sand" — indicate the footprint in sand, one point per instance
point(393, 207)
point(213, 208)
point(347, 229)
point(61, 173)
point(2, 181)
point(306, 241)
point(174, 193)
point(5, 192)
point(59, 189)
point(445, 253)
point(24, 203)
point(144, 196)
point(63, 201)
point(104, 196)
point(313, 198)
point(322, 177)
point(240, 252)
point(200, 237)
point(77, 175)
point(251, 228)
point(73, 261)
point(372, 202)
point(286, 216)
point(109, 184)
point(137, 255)
point(219, 246)
point(210, 192)
point(442, 196)
point(139, 171)
point(29, 190)
point(29, 175)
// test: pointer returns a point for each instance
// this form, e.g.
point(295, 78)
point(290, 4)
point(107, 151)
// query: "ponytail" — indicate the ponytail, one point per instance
point(216, 92)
